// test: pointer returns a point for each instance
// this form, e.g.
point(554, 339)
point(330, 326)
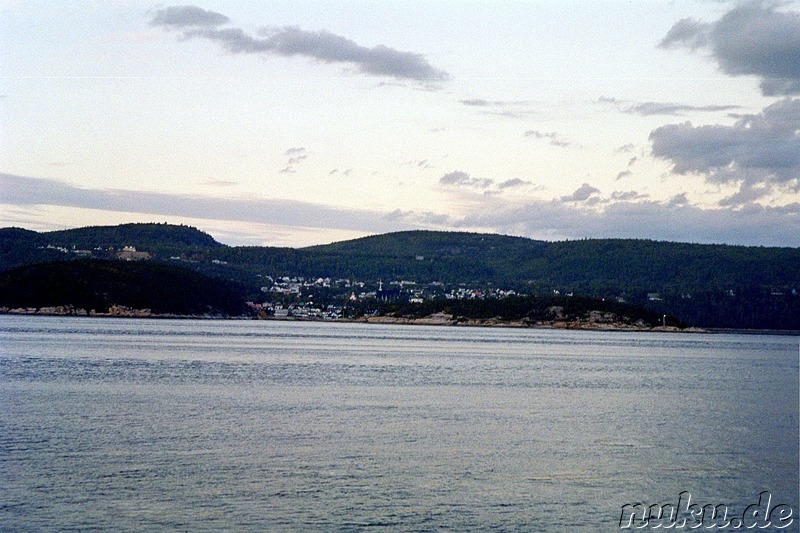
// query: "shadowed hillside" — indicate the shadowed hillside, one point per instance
point(97, 285)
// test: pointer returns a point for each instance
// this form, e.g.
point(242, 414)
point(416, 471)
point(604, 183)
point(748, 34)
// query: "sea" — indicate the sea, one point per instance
point(237, 425)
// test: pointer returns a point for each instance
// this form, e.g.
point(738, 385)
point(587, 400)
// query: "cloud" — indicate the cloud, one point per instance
point(626, 148)
point(503, 108)
point(183, 16)
point(459, 178)
point(758, 151)
point(753, 38)
point(292, 41)
point(678, 200)
point(664, 108)
point(476, 102)
point(624, 174)
point(296, 154)
point(514, 182)
point(26, 191)
point(752, 225)
point(425, 218)
point(582, 194)
point(555, 138)
point(661, 108)
point(628, 196)
point(688, 33)
point(630, 217)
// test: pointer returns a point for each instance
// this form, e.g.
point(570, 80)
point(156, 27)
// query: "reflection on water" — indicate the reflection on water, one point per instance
point(152, 424)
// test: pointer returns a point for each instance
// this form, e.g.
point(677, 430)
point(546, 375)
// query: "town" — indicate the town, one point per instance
point(332, 299)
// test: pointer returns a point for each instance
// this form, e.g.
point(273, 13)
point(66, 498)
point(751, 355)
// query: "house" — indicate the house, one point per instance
point(129, 253)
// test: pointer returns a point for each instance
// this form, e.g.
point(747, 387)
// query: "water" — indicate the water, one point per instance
point(119, 424)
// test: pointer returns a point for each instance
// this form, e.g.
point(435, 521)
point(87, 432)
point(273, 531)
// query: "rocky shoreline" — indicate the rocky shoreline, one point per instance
point(115, 311)
point(590, 323)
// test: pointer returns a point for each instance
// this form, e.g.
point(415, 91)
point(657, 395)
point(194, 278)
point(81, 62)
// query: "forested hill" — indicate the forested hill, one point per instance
point(20, 246)
point(706, 285)
point(603, 264)
point(138, 235)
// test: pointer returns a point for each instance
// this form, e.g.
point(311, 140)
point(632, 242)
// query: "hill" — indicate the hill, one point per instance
point(703, 285)
point(19, 246)
point(594, 265)
point(97, 285)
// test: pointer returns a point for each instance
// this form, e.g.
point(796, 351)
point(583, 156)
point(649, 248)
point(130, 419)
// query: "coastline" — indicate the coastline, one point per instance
point(436, 319)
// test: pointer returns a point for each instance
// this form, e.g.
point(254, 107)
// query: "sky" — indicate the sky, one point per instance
point(294, 123)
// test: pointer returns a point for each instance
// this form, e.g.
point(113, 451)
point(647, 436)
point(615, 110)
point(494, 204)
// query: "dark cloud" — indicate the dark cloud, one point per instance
point(582, 194)
point(464, 179)
point(747, 194)
point(758, 151)
point(678, 200)
point(187, 16)
point(754, 38)
point(687, 33)
point(292, 41)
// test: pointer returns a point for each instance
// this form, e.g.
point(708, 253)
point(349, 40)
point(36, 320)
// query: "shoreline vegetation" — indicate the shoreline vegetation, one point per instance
point(593, 322)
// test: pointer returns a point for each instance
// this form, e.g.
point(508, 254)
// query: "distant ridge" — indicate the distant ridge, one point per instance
point(421, 242)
